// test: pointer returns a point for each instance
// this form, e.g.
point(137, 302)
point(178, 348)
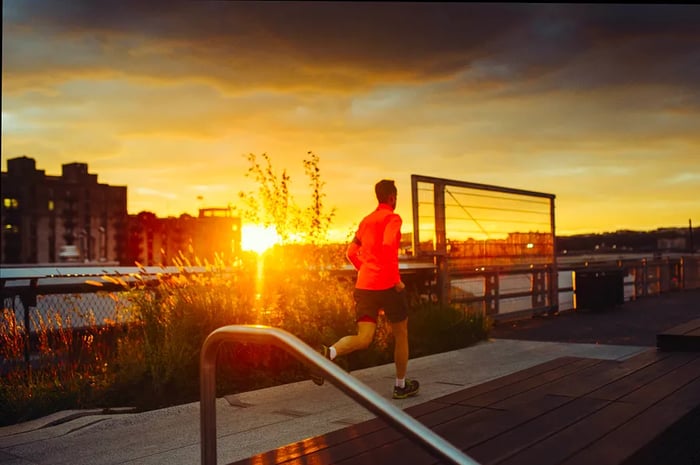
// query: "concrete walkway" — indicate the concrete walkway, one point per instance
point(257, 421)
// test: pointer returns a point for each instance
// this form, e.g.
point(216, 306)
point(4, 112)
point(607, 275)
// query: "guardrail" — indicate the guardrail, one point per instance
point(501, 292)
point(351, 386)
point(504, 292)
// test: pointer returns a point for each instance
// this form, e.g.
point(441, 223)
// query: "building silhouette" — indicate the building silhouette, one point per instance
point(74, 218)
point(212, 237)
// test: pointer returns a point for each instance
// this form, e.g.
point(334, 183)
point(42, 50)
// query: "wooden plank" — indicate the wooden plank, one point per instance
point(685, 328)
point(623, 386)
point(318, 450)
point(356, 440)
point(419, 410)
point(678, 445)
point(486, 424)
point(512, 378)
point(475, 427)
point(665, 385)
point(685, 337)
point(600, 375)
point(572, 439)
point(678, 343)
point(369, 448)
point(403, 451)
point(533, 431)
point(624, 441)
point(498, 393)
point(586, 434)
point(308, 446)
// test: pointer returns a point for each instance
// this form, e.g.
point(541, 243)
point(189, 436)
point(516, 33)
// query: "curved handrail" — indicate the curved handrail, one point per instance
point(348, 384)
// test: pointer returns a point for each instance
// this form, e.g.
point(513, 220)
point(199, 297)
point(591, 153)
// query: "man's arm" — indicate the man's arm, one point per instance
point(353, 253)
point(392, 233)
point(392, 241)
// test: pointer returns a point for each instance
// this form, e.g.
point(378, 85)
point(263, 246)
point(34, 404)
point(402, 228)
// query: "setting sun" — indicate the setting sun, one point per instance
point(258, 238)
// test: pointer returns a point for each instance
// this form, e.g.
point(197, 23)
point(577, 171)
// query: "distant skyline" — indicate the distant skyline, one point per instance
point(596, 104)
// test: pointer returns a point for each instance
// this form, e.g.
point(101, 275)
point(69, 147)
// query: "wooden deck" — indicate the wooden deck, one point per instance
point(685, 337)
point(572, 411)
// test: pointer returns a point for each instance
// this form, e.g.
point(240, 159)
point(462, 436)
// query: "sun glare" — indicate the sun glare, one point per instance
point(258, 238)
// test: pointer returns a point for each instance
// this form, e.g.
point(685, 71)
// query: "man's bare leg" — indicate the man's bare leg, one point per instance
point(400, 331)
point(359, 341)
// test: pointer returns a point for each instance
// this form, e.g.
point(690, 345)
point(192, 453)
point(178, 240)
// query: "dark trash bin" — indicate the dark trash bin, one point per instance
point(599, 289)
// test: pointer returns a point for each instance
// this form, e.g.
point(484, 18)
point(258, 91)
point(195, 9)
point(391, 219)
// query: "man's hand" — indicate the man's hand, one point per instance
point(400, 286)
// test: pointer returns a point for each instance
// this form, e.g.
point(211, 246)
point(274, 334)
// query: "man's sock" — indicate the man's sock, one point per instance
point(332, 353)
point(400, 383)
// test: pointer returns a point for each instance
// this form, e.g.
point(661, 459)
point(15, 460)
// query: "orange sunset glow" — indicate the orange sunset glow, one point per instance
point(258, 238)
point(596, 104)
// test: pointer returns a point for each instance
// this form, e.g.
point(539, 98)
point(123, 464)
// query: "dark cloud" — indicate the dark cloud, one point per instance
point(347, 44)
point(414, 39)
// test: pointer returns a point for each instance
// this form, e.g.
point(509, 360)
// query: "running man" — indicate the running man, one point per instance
point(374, 252)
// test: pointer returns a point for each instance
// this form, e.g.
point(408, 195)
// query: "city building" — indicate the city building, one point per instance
point(212, 237)
point(71, 217)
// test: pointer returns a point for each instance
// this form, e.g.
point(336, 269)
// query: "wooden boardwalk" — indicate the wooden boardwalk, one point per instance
point(570, 411)
point(685, 337)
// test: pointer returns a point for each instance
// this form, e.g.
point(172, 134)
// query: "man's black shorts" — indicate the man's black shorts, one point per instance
point(369, 302)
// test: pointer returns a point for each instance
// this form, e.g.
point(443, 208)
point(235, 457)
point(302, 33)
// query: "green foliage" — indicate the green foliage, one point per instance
point(273, 204)
point(435, 329)
point(432, 329)
point(172, 315)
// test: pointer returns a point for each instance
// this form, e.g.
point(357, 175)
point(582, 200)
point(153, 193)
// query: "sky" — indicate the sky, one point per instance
point(598, 104)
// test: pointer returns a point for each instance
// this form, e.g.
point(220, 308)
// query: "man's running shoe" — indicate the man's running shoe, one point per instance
point(409, 390)
point(316, 374)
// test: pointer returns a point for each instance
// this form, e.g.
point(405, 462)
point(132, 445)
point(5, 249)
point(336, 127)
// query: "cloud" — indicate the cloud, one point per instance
point(145, 191)
point(586, 101)
point(684, 178)
point(238, 45)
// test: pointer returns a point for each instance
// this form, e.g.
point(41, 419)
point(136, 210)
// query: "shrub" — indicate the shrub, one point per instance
point(433, 328)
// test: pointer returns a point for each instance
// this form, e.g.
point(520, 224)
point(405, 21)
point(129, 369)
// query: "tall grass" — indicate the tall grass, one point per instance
point(69, 368)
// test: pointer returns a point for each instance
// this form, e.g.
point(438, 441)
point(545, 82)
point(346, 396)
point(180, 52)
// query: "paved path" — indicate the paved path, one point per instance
point(257, 421)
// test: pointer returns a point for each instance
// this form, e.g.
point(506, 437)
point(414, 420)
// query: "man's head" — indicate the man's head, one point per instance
point(386, 192)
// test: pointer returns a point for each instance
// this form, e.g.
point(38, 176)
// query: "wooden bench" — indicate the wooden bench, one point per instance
point(567, 411)
point(685, 337)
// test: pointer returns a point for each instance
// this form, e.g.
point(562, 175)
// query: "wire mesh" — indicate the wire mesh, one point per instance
point(483, 226)
point(79, 310)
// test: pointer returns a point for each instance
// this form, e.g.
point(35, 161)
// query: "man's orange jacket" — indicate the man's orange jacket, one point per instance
point(374, 251)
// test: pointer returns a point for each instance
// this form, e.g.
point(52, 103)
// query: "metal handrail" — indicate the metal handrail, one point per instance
point(350, 385)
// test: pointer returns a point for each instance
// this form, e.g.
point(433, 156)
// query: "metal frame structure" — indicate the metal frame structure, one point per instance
point(350, 385)
point(440, 253)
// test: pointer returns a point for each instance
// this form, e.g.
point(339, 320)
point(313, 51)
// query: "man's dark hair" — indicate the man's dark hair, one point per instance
point(385, 189)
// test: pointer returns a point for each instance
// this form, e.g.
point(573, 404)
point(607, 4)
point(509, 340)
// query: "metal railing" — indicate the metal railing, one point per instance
point(35, 290)
point(351, 386)
point(504, 292)
point(501, 292)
